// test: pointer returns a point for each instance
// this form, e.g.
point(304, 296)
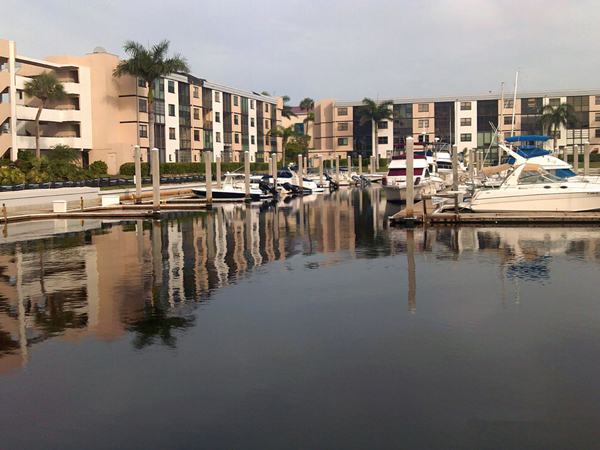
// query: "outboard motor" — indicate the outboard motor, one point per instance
point(267, 187)
point(291, 188)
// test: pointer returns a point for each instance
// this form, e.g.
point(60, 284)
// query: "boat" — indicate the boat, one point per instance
point(528, 187)
point(426, 180)
point(234, 188)
point(288, 182)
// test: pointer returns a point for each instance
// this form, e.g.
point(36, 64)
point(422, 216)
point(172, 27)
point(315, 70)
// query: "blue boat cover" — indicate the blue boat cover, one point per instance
point(538, 138)
point(565, 173)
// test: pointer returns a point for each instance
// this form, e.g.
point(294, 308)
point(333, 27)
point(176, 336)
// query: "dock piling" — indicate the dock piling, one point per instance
point(586, 159)
point(410, 184)
point(137, 156)
point(218, 159)
point(155, 181)
point(208, 170)
point(247, 174)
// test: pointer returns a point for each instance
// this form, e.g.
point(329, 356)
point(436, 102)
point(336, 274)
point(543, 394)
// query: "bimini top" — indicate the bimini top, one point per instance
point(527, 138)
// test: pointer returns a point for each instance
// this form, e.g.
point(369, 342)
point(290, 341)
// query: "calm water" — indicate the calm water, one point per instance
point(310, 325)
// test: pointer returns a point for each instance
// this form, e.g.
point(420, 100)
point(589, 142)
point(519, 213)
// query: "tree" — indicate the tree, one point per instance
point(285, 133)
point(375, 112)
point(310, 117)
point(307, 105)
point(286, 110)
point(553, 117)
point(150, 64)
point(47, 88)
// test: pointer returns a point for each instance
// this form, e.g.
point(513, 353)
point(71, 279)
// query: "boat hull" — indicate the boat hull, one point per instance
point(218, 194)
point(502, 201)
point(397, 193)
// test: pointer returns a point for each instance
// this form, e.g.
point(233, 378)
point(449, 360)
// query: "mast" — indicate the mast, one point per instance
point(512, 127)
point(500, 134)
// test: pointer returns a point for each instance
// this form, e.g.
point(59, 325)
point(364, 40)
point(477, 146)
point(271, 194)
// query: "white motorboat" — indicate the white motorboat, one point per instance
point(234, 188)
point(288, 182)
point(425, 179)
point(531, 188)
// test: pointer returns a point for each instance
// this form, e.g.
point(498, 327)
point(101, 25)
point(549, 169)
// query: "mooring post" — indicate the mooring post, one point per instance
point(155, 180)
point(247, 174)
point(359, 165)
point(586, 159)
point(137, 157)
point(275, 170)
point(300, 173)
point(410, 182)
point(4, 212)
point(576, 158)
point(81, 203)
point(218, 159)
point(321, 170)
point(471, 156)
point(208, 172)
point(337, 169)
point(565, 154)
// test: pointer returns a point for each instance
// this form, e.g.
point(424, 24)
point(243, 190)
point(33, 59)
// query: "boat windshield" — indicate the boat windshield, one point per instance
point(539, 176)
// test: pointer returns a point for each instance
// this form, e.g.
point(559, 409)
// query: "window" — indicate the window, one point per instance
point(424, 123)
point(465, 106)
point(236, 100)
point(343, 126)
point(251, 121)
point(266, 124)
point(465, 137)
point(237, 138)
point(423, 107)
point(597, 117)
point(597, 132)
point(143, 131)
point(342, 112)
point(252, 139)
point(217, 117)
point(266, 107)
point(171, 110)
point(342, 141)
point(196, 114)
point(508, 104)
point(196, 92)
point(196, 135)
point(597, 101)
point(143, 105)
point(171, 133)
point(383, 125)
point(171, 87)
point(554, 102)
point(141, 83)
point(218, 136)
point(251, 104)
point(217, 97)
point(465, 122)
point(507, 120)
point(382, 140)
point(236, 119)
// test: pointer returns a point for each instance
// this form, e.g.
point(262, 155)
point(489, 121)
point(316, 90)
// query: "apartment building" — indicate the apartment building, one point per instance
point(106, 117)
point(468, 121)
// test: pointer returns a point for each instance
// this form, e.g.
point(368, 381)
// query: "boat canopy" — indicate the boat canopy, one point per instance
point(496, 169)
point(527, 138)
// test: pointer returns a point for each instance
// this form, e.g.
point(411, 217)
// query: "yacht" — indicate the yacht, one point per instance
point(528, 187)
point(426, 180)
point(288, 182)
point(234, 188)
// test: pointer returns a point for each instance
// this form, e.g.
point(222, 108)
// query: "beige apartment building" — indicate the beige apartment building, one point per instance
point(106, 117)
point(469, 121)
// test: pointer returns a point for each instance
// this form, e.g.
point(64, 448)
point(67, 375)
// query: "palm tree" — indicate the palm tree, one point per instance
point(310, 117)
point(375, 112)
point(553, 117)
point(307, 105)
point(46, 87)
point(286, 111)
point(285, 133)
point(150, 64)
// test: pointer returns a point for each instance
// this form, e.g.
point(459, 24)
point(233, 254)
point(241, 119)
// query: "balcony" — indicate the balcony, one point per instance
point(49, 115)
point(28, 142)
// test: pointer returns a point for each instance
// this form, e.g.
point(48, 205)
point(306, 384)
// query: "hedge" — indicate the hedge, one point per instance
point(191, 168)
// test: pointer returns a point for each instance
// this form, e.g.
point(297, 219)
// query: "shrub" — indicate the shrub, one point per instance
point(98, 168)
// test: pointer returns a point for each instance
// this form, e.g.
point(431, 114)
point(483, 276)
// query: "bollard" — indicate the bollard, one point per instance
point(208, 171)
point(137, 158)
point(586, 159)
point(155, 180)
point(247, 174)
point(4, 212)
point(81, 204)
point(410, 182)
point(218, 158)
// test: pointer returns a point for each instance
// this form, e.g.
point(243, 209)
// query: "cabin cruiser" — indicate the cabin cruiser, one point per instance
point(288, 181)
point(234, 188)
point(426, 180)
point(528, 187)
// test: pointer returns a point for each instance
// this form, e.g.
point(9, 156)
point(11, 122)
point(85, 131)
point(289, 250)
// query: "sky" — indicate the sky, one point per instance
point(330, 49)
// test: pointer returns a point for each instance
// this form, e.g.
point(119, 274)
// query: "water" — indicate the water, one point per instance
point(309, 325)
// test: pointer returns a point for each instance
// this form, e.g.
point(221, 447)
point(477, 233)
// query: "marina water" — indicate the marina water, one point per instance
point(308, 324)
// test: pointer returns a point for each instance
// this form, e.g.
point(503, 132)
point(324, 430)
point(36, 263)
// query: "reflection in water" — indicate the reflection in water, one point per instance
point(284, 337)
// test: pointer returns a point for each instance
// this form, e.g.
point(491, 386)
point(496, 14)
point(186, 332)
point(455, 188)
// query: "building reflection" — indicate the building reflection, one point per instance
point(145, 280)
